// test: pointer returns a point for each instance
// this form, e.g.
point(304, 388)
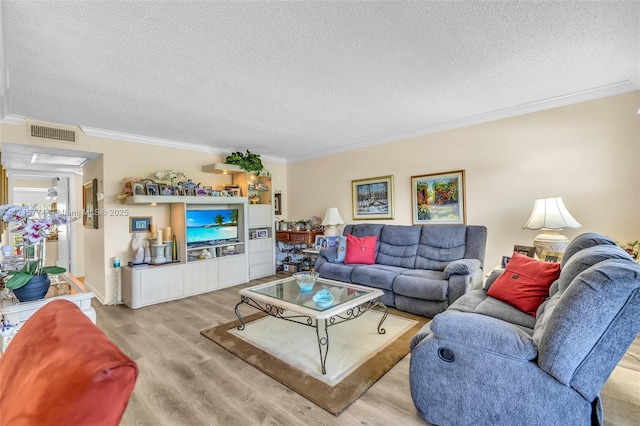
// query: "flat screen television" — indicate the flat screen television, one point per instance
point(211, 227)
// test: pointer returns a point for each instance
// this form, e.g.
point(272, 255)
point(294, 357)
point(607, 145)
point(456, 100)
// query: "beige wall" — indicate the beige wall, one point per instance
point(588, 153)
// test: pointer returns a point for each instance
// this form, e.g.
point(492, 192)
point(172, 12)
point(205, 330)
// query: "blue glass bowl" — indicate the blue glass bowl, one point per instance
point(306, 280)
point(323, 298)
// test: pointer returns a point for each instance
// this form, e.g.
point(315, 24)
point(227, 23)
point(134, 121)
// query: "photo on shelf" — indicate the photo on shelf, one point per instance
point(262, 233)
point(333, 240)
point(320, 242)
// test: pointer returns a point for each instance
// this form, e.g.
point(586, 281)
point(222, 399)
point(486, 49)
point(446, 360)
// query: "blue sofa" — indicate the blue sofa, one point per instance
point(420, 269)
point(483, 362)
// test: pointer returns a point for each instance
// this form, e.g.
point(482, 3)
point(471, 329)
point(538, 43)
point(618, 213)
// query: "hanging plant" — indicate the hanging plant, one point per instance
point(249, 161)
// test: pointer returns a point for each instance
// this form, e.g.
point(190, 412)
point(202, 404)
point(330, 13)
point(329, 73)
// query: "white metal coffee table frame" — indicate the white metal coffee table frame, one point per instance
point(320, 320)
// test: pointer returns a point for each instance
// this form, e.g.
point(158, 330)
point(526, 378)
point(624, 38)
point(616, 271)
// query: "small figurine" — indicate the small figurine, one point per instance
point(137, 247)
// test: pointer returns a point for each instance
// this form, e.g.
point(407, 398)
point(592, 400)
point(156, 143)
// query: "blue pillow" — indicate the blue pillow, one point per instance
point(342, 249)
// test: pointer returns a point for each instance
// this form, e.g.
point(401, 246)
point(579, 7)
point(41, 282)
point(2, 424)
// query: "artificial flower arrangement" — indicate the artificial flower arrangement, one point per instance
point(33, 230)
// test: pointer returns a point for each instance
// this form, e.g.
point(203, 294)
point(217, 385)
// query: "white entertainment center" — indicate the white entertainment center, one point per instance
point(223, 264)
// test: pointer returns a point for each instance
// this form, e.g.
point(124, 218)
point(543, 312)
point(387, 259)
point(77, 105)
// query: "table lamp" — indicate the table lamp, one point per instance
point(551, 216)
point(331, 219)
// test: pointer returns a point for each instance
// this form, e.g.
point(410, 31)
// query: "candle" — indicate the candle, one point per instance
point(167, 233)
point(153, 229)
point(159, 237)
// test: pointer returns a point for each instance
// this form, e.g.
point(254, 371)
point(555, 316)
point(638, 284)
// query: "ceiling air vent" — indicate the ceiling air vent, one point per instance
point(45, 132)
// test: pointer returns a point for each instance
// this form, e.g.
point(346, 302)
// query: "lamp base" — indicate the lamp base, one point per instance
point(330, 230)
point(551, 240)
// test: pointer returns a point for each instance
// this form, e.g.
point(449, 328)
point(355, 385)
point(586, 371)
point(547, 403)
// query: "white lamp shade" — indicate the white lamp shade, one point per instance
point(550, 213)
point(332, 217)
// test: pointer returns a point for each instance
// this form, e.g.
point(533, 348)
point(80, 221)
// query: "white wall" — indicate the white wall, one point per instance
point(588, 153)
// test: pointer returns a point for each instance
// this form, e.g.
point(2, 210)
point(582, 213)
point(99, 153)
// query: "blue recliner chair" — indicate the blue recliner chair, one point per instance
point(469, 368)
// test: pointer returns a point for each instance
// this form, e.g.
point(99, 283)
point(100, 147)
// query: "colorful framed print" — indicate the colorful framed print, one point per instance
point(438, 198)
point(140, 224)
point(372, 198)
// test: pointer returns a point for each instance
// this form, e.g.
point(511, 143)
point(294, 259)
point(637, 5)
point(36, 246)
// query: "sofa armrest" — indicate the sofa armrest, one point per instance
point(492, 277)
point(461, 267)
point(420, 335)
point(484, 333)
point(330, 253)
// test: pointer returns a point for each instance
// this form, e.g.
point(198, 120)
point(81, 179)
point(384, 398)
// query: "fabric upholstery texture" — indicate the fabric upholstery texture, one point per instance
point(525, 283)
point(342, 249)
point(403, 259)
point(483, 361)
point(60, 369)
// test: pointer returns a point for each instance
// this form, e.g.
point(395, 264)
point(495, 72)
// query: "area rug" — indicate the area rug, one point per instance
point(347, 378)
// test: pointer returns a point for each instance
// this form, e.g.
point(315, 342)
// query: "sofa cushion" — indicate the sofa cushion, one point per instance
point(336, 271)
point(586, 258)
point(361, 250)
point(583, 241)
point(60, 369)
point(440, 245)
point(525, 283)
point(420, 284)
point(342, 249)
point(377, 276)
point(398, 246)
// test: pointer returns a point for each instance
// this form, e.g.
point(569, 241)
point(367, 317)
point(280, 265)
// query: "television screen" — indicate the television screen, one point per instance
point(210, 227)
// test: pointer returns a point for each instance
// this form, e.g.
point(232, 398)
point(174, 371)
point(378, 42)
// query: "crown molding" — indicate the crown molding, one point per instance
point(528, 108)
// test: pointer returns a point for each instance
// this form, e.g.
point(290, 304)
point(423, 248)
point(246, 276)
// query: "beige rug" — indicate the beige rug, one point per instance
point(358, 356)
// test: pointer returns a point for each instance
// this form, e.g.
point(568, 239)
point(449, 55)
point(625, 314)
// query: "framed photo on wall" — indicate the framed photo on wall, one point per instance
point(438, 198)
point(140, 224)
point(372, 198)
point(90, 204)
point(277, 203)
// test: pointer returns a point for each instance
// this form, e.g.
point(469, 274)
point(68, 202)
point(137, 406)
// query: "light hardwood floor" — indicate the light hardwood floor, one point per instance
point(186, 379)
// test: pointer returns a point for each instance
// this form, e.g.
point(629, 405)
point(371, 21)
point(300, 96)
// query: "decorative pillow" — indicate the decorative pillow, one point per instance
point(525, 283)
point(361, 250)
point(342, 249)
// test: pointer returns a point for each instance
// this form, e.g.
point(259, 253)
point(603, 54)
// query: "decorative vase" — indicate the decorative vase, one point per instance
point(35, 289)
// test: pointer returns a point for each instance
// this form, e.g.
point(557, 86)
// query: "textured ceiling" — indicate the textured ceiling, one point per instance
point(294, 80)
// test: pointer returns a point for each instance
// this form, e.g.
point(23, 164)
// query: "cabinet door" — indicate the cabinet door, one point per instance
point(260, 215)
point(200, 277)
point(232, 270)
point(160, 284)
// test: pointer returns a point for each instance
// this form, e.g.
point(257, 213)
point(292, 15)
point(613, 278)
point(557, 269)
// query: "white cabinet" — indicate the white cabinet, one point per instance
point(261, 250)
point(232, 270)
point(200, 277)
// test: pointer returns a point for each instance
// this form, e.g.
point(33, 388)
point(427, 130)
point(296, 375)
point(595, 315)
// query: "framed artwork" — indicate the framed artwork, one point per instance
point(138, 189)
point(262, 233)
point(551, 256)
point(320, 242)
point(505, 260)
point(152, 189)
point(526, 250)
point(166, 190)
point(277, 204)
point(190, 192)
point(140, 224)
point(438, 198)
point(90, 204)
point(372, 198)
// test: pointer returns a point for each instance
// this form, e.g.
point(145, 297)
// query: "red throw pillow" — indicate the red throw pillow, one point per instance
point(361, 250)
point(525, 283)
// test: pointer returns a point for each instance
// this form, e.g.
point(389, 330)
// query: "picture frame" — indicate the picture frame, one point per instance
point(551, 256)
point(526, 250)
point(152, 189)
point(90, 204)
point(439, 198)
point(505, 260)
point(138, 189)
point(277, 203)
point(208, 190)
point(372, 198)
point(254, 235)
point(262, 233)
point(179, 191)
point(332, 240)
point(201, 192)
point(320, 242)
point(189, 192)
point(166, 190)
point(140, 224)
point(233, 190)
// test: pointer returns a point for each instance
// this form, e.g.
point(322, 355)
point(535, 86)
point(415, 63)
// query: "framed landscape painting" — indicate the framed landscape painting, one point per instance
point(372, 198)
point(438, 198)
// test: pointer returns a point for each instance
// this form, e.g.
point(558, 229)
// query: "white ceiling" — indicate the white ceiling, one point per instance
point(295, 80)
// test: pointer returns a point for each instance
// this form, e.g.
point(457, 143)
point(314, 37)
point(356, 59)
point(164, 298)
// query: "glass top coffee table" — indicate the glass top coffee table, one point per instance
point(283, 299)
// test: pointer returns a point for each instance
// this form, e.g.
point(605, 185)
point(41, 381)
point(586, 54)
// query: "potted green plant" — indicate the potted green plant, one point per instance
point(248, 161)
point(34, 231)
